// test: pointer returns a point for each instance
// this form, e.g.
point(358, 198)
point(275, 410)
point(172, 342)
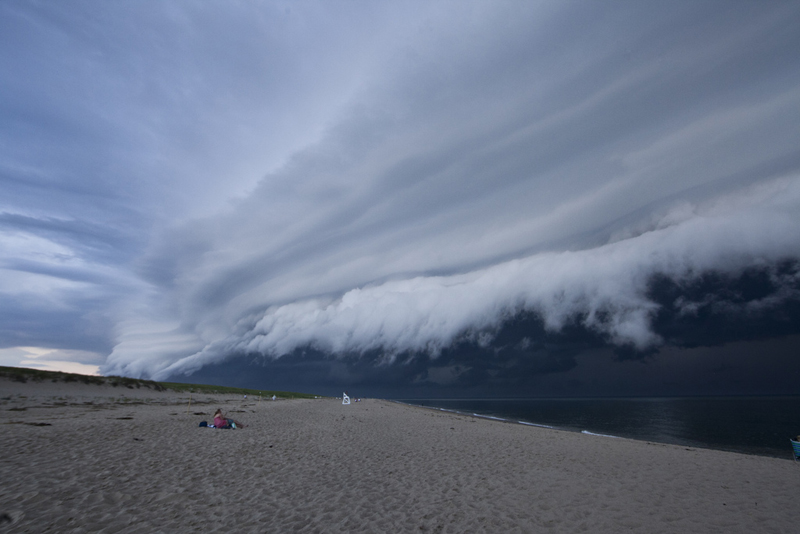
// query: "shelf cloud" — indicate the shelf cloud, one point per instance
point(184, 185)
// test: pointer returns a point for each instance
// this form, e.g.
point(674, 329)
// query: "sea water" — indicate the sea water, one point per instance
point(749, 425)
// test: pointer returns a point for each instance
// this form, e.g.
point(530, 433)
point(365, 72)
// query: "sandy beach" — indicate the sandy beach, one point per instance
point(87, 458)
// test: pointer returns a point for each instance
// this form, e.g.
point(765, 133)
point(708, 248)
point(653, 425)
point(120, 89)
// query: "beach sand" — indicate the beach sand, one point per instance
point(87, 458)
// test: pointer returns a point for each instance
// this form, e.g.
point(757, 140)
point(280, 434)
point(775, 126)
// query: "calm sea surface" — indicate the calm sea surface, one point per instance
point(750, 425)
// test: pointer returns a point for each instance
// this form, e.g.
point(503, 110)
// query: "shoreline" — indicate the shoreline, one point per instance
point(585, 432)
point(85, 458)
point(767, 449)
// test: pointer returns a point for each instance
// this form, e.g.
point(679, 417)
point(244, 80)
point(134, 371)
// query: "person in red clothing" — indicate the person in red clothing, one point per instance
point(220, 421)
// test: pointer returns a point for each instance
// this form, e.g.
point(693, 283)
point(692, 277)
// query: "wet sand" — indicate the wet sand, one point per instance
point(87, 458)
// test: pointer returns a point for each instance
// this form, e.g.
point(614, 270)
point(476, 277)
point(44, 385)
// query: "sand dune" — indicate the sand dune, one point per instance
point(82, 458)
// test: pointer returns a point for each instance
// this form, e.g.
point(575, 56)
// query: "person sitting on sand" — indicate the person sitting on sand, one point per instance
point(220, 421)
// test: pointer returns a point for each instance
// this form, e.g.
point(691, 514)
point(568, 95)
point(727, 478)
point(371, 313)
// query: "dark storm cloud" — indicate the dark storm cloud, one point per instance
point(760, 302)
point(754, 367)
point(726, 335)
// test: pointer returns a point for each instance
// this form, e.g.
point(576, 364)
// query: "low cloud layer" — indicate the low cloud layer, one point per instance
point(606, 288)
point(180, 184)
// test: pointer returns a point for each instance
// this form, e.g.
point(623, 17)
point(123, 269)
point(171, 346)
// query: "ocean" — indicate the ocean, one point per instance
point(749, 425)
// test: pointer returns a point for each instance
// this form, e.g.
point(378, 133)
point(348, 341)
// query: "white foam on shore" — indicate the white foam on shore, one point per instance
point(601, 435)
point(489, 417)
point(482, 416)
point(535, 424)
point(494, 418)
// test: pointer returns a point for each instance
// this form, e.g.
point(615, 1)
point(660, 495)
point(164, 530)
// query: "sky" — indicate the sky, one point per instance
point(472, 198)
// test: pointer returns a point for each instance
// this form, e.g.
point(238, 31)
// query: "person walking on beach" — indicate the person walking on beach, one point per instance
point(220, 421)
